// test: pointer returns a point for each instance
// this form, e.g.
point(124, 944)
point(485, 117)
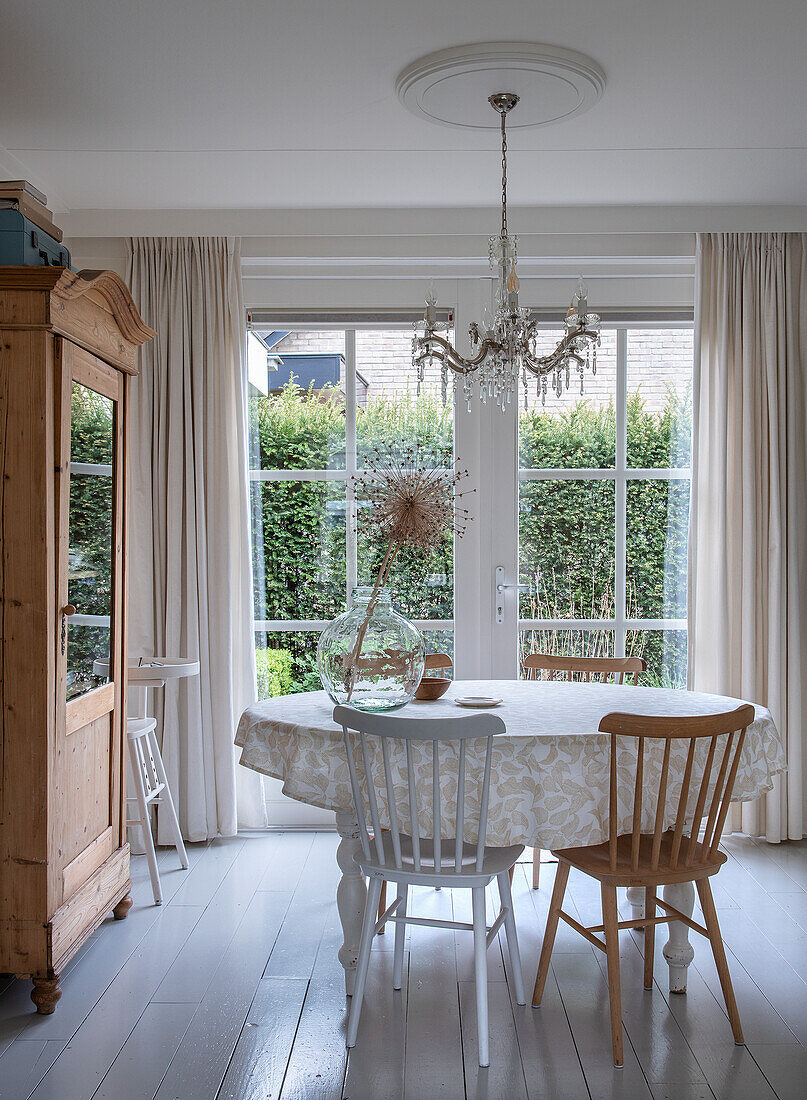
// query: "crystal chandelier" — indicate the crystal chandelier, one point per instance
point(506, 342)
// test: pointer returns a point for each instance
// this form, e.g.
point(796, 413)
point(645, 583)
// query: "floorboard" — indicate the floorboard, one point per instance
point(434, 1064)
point(316, 1069)
point(261, 1055)
point(232, 990)
point(141, 1064)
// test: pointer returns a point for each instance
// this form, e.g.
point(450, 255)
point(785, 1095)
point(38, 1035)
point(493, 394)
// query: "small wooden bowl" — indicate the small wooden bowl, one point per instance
point(432, 687)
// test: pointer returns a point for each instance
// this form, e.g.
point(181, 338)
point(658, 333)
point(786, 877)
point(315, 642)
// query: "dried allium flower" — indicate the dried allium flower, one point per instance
point(412, 503)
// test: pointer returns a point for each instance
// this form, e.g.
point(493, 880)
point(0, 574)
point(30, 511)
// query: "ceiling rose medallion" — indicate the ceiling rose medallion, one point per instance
point(552, 84)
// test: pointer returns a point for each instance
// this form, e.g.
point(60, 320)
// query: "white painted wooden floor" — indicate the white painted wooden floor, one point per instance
point(232, 989)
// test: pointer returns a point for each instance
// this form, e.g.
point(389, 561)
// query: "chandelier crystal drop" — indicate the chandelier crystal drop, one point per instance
point(505, 344)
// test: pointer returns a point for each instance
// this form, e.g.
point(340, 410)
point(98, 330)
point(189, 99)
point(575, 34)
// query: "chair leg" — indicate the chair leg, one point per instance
point(145, 825)
point(481, 974)
point(382, 905)
point(716, 940)
point(365, 943)
point(555, 906)
point(610, 920)
point(506, 897)
point(167, 800)
point(536, 868)
point(649, 935)
point(400, 936)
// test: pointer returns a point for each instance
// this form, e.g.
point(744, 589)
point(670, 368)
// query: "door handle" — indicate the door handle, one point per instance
point(67, 611)
point(501, 586)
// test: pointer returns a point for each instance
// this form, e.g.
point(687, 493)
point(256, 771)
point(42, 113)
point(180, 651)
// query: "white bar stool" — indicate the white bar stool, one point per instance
point(151, 786)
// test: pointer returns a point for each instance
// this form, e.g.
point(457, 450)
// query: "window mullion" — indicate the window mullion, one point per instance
point(620, 490)
point(351, 535)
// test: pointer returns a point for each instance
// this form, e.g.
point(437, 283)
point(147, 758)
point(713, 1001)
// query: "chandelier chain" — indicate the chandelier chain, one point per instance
point(504, 175)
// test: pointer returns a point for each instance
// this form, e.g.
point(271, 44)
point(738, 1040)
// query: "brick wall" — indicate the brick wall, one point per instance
point(657, 359)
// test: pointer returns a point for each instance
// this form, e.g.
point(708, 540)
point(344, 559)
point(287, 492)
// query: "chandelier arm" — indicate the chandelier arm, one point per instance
point(566, 344)
point(451, 357)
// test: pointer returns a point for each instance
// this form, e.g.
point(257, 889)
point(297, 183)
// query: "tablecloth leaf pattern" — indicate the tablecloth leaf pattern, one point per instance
point(550, 770)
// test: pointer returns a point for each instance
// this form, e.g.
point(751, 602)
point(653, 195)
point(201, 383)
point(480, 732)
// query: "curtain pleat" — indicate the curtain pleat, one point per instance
point(190, 588)
point(748, 525)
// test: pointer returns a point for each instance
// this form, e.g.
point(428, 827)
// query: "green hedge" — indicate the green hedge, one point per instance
point(90, 553)
point(566, 527)
point(274, 668)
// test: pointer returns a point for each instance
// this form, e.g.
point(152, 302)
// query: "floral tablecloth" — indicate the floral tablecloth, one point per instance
point(550, 770)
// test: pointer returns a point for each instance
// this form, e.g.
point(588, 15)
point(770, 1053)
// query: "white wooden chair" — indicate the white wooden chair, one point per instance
point(150, 786)
point(434, 662)
point(415, 860)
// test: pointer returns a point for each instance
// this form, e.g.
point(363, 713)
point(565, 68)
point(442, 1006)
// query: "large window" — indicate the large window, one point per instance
point(320, 401)
point(604, 506)
point(603, 497)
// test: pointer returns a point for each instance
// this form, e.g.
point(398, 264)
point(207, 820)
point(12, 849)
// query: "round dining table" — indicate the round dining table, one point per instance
point(549, 778)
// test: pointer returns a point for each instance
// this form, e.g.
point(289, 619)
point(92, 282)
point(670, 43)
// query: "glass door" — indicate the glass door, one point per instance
point(321, 401)
point(322, 398)
point(89, 522)
point(590, 557)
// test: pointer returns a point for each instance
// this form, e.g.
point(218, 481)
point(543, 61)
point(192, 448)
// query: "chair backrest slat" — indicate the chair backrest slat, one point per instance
point(438, 823)
point(391, 808)
point(683, 799)
point(483, 806)
point(480, 728)
point(638, 801)
point(601, 668)
point(701, 771)
point(697, 816)
point(357, 797)
point(726, 800)
point(459, 830)
point(413, 805)
point(711, 820)
point(612, 806)
point(661, 803)
point(375, 820)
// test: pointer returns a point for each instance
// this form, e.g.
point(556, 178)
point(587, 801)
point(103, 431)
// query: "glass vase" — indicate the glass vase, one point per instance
point(370, 657)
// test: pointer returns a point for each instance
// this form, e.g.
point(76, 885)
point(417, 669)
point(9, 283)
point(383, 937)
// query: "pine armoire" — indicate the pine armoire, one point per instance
point(67, 357)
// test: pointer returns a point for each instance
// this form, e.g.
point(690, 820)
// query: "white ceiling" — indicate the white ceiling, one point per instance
point(196, 104)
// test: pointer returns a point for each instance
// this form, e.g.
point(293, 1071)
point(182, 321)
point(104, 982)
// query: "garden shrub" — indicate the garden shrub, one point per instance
point(566, 527)
point(274, 669)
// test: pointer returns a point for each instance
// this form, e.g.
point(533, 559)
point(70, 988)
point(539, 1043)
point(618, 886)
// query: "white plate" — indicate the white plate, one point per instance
point(477, 701)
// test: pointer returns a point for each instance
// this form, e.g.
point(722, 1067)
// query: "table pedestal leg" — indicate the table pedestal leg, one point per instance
point(636, 901)
point(351, 894)
point(678, 951)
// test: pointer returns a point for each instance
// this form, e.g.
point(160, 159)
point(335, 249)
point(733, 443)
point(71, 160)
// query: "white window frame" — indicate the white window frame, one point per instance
point(620, 475)
point(349, 326)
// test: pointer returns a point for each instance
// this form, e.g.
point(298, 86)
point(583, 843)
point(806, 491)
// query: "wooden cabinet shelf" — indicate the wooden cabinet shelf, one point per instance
point(67, 357)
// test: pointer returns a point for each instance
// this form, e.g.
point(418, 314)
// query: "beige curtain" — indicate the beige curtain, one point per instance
point(748, 527)
point(190, 592)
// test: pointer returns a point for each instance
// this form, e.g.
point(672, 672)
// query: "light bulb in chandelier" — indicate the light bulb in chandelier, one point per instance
point(512, 288)
point(581, 300)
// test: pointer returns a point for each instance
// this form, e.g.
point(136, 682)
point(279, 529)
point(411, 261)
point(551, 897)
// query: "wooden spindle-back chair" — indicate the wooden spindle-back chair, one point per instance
point(670, 853)
point(586, 669)
point(437, 662)
point(427, 860)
